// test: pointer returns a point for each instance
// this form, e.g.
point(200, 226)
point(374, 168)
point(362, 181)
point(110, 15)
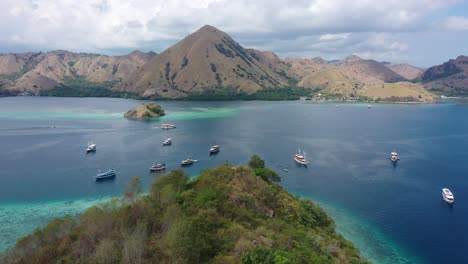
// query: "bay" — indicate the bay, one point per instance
point(393, 214)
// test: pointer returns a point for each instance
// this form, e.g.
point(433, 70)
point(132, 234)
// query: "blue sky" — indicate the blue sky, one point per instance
point(420, 32)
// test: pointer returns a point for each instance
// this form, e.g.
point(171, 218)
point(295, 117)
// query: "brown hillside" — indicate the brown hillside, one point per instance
point(450, 78)
point(35, 72)
point(204, 60)
point(354, 77)
point(406, 70)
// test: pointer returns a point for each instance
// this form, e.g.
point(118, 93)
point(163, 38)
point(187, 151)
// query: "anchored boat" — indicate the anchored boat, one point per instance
point(215, 149)
point(168, 126)
point(167, 142)
point(394, 157)
point(187, 162)
point(300, 158)
point(158, 167)
point(447, 195)
point(105, 175)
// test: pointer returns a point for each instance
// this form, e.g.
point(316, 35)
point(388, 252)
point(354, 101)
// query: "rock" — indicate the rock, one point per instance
point(147, 110)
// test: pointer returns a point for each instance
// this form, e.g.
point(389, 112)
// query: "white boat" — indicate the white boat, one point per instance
point(215, 149)
point(187, 162)
point(447, 195)
point(394, 157)
point(168, 126)
point(300, 158)
point(369, 106)
point(167, 142)
point(105, 175)
point(158, 167)
point(91, 147)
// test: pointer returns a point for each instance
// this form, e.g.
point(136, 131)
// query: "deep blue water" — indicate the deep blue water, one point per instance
point(393, 214)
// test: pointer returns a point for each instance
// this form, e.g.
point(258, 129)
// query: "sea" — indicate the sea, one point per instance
point(393, 214)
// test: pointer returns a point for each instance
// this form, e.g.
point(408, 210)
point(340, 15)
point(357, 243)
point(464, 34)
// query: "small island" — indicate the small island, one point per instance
point(228, 214)
point(146, 110)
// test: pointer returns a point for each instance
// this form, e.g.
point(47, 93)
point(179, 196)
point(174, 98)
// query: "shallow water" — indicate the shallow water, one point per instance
point(393, 214)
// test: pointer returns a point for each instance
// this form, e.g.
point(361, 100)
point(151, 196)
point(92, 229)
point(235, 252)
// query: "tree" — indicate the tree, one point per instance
point(133, 188)
point(106, 252)
point(134, 245)
point(256, 162)
point(267, 175)
point(259, 255)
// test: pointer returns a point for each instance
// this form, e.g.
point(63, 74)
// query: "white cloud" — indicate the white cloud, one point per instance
point(456, 23)
point(328, 37)
point(306, 25)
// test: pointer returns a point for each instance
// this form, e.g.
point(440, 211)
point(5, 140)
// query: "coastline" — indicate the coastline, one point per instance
point(234, 98)
point(372, 243)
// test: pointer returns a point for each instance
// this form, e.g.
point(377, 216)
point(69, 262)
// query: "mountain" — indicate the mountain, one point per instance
point(228, 214)
point(406, 70)
point(206, 60)
point(208, 64)
point(450, 78)
point(354, 77)
point(38, 72)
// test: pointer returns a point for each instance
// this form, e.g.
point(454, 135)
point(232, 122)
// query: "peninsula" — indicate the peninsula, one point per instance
point(229, 214)
point(146, 110)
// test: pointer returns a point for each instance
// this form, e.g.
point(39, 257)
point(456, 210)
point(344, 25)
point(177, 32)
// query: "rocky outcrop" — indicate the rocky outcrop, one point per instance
point(147, 110)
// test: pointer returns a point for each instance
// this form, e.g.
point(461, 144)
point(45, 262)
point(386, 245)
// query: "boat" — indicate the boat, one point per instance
point(215, 149)
point(369, 106)
point(300, 158)
point(105, 175)
point(167, 142)
point(91, 147)
point(168, 126)
point(447, 195)
point(187, 162)
point(285, 170)
point(394, 157)
point(158, 167)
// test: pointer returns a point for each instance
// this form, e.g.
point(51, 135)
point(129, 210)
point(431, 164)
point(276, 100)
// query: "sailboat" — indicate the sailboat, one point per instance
point(300, 158)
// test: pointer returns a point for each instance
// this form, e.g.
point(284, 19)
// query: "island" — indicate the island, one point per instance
point(146, 110)
point(228, 214)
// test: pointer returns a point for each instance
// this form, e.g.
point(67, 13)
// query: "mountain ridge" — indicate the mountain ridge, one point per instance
point(209, 62)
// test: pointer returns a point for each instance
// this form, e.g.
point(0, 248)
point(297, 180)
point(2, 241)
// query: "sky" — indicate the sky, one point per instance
point(420, 32)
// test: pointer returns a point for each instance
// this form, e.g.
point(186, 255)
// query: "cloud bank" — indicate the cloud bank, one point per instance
point(330, 28)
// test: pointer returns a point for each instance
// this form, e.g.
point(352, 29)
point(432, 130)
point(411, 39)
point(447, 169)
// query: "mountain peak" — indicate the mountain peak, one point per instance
point(207, 28)
point(351, 58)
point(207, 59)
point(207, 32)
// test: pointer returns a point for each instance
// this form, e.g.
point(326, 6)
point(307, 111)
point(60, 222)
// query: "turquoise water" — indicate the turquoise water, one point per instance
point(20, 219)
point(372, 242)
point(384, 210)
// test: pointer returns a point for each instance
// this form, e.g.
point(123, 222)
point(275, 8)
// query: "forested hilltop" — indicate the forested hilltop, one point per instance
point(229, 214)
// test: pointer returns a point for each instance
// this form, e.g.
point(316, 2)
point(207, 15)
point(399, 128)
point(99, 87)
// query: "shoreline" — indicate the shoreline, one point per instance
point(302, 99)
point(367, 238)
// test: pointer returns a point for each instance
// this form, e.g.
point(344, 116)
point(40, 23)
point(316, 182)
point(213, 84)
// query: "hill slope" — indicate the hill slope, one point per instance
point(205, 60)
point(354, 77)
point(39, 72)
point(450, 78)
point(406, 70)
point(227, 215)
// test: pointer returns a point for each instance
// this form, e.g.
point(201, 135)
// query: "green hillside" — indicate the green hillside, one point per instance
point(229, 214)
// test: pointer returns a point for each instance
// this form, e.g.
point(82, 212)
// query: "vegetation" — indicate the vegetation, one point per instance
point(147, 110)
point(269, 94)
point(155, 108)
point(226, 215)
point(80, 87)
